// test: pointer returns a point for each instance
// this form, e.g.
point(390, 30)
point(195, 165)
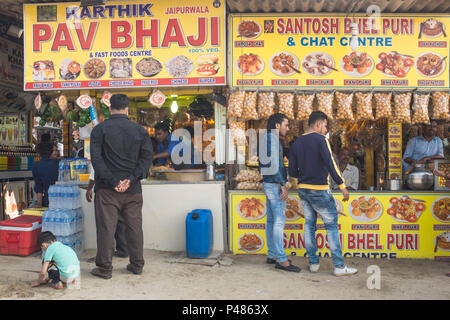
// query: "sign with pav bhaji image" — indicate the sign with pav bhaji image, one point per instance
point(301, 50)
point(383, 225)
point(124, 44)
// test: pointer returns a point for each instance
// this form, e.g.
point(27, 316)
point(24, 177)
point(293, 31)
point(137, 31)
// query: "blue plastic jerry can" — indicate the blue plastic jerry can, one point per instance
point(199, 233)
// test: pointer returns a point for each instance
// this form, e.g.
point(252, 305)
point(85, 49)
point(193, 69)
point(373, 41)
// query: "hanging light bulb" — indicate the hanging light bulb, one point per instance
point(354, 41)
point(174, 107)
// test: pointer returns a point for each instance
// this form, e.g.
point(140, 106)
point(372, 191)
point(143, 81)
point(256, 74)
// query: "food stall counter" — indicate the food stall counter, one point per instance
point(372, 224)
point(165, 207)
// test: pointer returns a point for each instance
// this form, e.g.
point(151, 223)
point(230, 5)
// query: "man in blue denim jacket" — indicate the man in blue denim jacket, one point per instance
point(271, 166)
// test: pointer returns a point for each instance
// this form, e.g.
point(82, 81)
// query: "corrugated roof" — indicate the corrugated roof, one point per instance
point(14, 7)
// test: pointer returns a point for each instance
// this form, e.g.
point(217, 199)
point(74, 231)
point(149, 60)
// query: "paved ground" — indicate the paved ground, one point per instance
point(249, 277)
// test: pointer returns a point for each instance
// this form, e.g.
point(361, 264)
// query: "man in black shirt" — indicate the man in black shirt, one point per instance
point(121, 153)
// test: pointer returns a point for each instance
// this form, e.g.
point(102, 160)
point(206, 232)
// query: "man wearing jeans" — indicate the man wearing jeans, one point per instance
point(272, 168)
point(311, 161)
point(121, 152)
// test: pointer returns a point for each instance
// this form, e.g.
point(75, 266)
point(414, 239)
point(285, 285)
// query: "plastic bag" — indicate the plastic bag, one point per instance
point(402, 112)
point(325, 103)
point(286, 104)
point(440, 106)
point(249, 112)
point(383, 106)
point(266, 104)
point(249, 186)
point(247, 175)
point(11, 205)
point(237, 129)
point(236, 104)
point(305, 105)
point(364, 106)
point(420, 108)
point(344, 106)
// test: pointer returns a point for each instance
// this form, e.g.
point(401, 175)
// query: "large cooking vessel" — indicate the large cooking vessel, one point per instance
point(420, 178)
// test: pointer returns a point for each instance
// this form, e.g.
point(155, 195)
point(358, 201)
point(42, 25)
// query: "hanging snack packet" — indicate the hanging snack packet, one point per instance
point(364, 106)
point(305, 105)
point(344, 106)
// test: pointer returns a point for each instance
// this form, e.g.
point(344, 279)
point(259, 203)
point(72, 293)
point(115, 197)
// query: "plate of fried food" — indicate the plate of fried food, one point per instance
point(365, 209)
point(357, 64)
point(249, 29)
point(440, 209)
point(249, 64)
point(430, 64)
point(405, 209)
point(251, 209)
point(250, 242)
point(294, 209)
point(281, 63)
point(442, 242)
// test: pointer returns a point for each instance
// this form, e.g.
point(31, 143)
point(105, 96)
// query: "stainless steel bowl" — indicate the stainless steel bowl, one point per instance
point(394, 185)
point(420, 178)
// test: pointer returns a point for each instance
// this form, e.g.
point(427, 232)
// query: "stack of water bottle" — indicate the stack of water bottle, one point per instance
point(64, 217)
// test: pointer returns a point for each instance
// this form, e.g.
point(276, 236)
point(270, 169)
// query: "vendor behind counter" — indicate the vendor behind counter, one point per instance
point(166, 142)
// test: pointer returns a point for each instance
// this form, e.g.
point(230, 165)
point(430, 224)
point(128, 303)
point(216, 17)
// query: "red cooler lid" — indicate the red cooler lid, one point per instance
point(23, 221)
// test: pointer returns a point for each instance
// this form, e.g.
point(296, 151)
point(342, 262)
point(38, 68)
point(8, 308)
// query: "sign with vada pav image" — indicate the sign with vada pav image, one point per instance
point(371, 225)
point(124, 44)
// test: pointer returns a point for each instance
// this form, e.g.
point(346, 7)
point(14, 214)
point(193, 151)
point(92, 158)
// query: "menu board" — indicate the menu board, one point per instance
point(13, 129)
point(382, 225)
point(301, 50)
point(395, 151)
point(120, 45)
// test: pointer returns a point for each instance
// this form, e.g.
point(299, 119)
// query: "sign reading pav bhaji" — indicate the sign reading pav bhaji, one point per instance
point(124, 44)
point(394, 51)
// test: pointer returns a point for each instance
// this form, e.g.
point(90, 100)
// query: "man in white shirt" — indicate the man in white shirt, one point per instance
point(349, 172)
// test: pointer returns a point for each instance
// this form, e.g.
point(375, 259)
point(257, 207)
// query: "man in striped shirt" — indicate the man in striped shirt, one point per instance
point(311, 162)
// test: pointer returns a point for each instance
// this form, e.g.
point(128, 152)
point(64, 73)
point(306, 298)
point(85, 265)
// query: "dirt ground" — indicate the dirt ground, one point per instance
point(249, 277)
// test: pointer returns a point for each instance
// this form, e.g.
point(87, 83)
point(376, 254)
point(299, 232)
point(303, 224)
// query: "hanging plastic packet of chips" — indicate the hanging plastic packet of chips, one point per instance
point(236, 104)
point(237, 130)
point(440, 106)
point(420, 108)
point(249, 112)
point(286, 104)
point(305, 105)
point(325, 103)
point(248, 175)
point(364, 106)
point(344, 106)
point(266, 104)
point(402, 110)
point(383, 105)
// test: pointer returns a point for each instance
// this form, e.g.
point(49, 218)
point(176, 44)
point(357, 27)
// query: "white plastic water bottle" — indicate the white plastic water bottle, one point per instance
point(61, 170)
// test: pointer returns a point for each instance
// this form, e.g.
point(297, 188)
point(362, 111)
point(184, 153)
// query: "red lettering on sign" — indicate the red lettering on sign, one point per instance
point(201, 34)
point(121, 29)
point(62, 38)
point(390, 241)
point(141, 33)
point(351, 241)
point(215, 31)
point(86, 42)
point(173, 25)
point(39, 36)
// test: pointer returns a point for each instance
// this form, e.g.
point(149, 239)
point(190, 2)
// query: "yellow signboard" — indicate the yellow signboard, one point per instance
point(320, 50)
point(382, 225)
point(119, 45)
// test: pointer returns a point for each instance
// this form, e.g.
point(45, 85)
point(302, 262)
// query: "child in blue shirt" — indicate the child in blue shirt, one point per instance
point(60, 262)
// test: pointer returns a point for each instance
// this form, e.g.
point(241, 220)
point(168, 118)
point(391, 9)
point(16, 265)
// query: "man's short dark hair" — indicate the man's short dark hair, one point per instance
point(316, 116)
point(45, 137)
point(44, 149)
point(119, 101)
point(162, 126)
point(276, 118)
point(45, 237)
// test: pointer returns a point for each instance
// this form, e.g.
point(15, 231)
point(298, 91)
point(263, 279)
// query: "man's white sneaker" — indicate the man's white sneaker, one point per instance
point(314, 268)
point(345, 271)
